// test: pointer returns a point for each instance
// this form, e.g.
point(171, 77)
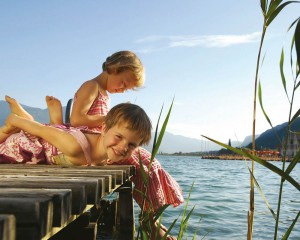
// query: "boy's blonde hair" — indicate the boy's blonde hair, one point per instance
point(133, 116)
point(125, 61)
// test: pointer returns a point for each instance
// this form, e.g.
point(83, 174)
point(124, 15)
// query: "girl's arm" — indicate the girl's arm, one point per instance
point(86, 95)
point(62, 140)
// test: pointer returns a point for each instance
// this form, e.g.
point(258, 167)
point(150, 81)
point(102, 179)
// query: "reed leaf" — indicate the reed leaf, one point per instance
point(182, 225)
point(162, 132)
point(281, 63)
point(263, 5)
point(169, 229)
point(261, 104)
point(160, 211)
point(297, 43)
point(143, 173)
point(293, 163)
point(272, 7)
point(296, 115)
point(262, 194)
point(271, 15)
point(260, 161)
point(288, 232)
point(155, 135)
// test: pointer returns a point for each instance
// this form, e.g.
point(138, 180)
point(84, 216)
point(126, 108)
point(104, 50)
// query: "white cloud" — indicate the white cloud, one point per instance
point(208, 41)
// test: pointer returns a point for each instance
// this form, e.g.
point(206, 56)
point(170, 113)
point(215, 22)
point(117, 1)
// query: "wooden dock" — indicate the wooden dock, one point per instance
point(61, 203)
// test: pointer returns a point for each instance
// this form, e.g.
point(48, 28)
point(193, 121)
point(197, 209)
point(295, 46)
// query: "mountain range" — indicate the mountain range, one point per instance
point(176, 143)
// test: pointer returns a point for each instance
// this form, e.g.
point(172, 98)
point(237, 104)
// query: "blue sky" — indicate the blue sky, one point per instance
point(202, 52)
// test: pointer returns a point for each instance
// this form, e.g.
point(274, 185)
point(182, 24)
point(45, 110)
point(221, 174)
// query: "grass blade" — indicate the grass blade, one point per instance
point(274, 13)
point(288, 232)
point(261, 104)
point(262, 194)
point(281, 63)
point(297, 42)
point(293, 163)
point(162, 132)
point(263, 5)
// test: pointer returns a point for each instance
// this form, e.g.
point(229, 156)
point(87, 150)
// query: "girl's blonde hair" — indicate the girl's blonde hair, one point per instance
point(133, 117)
point(125, 61)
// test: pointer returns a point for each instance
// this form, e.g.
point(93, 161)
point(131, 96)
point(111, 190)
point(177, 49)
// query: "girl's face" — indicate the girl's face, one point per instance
point(119, 83)
point(119, 142)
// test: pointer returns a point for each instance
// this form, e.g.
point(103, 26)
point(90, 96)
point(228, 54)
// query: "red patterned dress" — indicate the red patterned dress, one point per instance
point(162, 187)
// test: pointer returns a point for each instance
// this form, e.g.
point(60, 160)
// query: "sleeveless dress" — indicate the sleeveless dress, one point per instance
point(23, 148)
point(162, 188)
point(100, 106)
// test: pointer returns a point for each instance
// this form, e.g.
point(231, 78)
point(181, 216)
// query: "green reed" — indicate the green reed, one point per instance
point(270, 11)
point(148, 218)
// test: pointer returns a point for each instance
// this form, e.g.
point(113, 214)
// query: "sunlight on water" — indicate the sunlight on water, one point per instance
point(221, 196)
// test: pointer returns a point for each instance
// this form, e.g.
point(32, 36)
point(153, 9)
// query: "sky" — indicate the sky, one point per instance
point(201, 53)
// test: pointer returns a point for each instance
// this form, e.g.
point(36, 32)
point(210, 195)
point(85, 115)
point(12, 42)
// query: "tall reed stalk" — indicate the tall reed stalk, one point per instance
point(148, 218)
point(270, 11)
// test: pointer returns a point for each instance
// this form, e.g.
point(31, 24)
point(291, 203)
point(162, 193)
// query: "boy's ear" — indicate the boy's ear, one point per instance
point(104, 127)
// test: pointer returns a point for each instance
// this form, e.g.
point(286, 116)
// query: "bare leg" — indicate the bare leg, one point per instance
point(55, 110)
point(17, 109)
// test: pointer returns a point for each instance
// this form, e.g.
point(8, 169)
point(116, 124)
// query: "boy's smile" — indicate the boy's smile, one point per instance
point(119, 142)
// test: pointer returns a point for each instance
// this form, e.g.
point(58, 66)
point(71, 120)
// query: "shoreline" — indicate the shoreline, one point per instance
point(239, 157)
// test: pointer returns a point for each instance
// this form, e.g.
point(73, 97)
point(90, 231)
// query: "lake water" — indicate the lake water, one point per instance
point(221, 198)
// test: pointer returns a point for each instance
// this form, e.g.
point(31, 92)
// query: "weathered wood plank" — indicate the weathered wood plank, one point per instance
point(104, 182)
point(101, 170)
point(79, 202)
point(7, 227)
point(93, 185)
point(62, 200)
point(30, 212)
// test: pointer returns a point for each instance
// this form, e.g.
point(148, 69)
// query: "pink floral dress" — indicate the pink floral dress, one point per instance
point(25, 148)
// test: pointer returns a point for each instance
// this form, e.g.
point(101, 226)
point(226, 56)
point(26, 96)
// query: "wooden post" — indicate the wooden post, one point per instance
point(125, 212)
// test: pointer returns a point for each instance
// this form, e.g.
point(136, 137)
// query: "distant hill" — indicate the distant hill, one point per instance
point(40, 115)
point(176, 143)
point(271, 138)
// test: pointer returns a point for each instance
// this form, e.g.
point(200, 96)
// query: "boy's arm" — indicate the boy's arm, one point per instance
point(86, 95)
point(62, 140)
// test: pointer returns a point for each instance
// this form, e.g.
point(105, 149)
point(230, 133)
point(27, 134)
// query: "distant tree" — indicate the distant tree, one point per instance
point(229, 142)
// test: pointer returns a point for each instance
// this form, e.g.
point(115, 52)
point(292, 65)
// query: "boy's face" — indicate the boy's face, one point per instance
point(119, 83)
point(119, 142)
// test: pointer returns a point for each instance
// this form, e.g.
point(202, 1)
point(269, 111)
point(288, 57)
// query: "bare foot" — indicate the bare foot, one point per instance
point(55, 110)
point(17, 109)
point(8, 128)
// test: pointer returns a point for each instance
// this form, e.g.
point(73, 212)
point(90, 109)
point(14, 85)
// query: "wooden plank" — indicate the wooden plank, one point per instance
point(7, 227)
point(104, 182)
point(61, 198)
point(54, 168)
point(79, 202)
point(30, 212)
point(93, 186)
